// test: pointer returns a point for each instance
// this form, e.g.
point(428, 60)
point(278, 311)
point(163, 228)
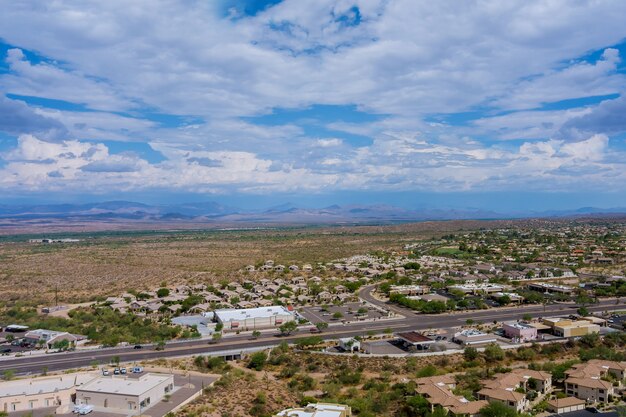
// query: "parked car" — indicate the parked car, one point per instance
point(137, 370)
point(85, 409)
point(116, 371)
point(105, 372)
point(123, 371)
point(137, 347)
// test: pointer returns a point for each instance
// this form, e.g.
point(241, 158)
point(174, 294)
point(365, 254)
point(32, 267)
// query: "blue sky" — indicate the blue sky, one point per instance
point(254, 103)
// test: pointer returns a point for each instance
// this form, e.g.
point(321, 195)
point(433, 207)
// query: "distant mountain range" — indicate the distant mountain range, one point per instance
point(287, 213)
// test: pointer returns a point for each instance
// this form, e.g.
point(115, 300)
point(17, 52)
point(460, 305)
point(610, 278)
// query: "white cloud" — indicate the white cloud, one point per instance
point(405, 60)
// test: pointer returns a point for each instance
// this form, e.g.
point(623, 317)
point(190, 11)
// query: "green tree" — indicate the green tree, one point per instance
point(288, 327)
point(61, 344)
point(321, 326)
point(497, 409)
point(309, 341)
point(337, 315)
point(257, 361)
point(8, 374)
point(163, 292)
point(439, 411)
point(493, 353)
point(583, 311)
point(470, 353)
point(256, 334)
point(216, 337)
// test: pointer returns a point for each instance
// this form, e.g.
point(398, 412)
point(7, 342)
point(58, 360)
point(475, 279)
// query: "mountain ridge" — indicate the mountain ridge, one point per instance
point(211, 211)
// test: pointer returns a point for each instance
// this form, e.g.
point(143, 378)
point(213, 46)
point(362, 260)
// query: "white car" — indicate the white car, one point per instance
point(83, 409)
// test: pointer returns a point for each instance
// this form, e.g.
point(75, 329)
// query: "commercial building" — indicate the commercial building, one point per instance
point(408, 289)
point(550, 288)
point(253, 318)
point(571, 328)
point(349, 344)
point(477, 288)
point(519, 332)
point(318, 410)
point(50, 337)
point(471, 337)
point(127, 395)
point(415, 340)
point(30, 394)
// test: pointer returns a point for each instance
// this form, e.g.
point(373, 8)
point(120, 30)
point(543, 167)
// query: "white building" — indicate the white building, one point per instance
point(318, 410)
point(471, 337)
point(125, 395)
point(50, 337)
point(252, 318)
point(22, 395)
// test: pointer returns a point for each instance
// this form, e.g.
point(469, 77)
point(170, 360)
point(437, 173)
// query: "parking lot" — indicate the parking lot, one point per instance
point(617, 321)
point(10, 343)
point(344, 313)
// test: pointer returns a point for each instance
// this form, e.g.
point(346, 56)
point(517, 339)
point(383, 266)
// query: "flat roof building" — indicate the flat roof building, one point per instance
point(474, 337)
point(127, 395)
point(415, 339)
point(252, 318)
point(50, 337)
point(31, 394)
point(408, 289)
point(318, 410)
point(519, 332)
point(571, 328)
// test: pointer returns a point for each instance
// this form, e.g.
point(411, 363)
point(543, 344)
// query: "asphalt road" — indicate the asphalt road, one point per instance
point(412, 321)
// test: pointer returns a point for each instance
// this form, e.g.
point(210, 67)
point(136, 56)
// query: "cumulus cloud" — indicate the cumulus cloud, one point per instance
point(608, 117)
point(17, 118)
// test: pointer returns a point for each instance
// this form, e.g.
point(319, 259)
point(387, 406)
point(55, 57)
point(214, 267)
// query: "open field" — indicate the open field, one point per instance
point(106, 263)
point(110, 262)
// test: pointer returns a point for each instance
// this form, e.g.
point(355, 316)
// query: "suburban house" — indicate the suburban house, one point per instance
point(437, 390)
point(566, 405)
point(584, 381)
point(508, 388)
point(508, 397)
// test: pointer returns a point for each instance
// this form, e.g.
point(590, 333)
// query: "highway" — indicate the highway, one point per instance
point(411, 321)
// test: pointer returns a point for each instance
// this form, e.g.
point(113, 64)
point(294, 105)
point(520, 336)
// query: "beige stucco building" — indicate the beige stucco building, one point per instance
point(31, 394)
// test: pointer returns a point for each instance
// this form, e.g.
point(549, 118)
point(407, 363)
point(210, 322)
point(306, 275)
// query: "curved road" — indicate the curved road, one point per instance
point(411, 321)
